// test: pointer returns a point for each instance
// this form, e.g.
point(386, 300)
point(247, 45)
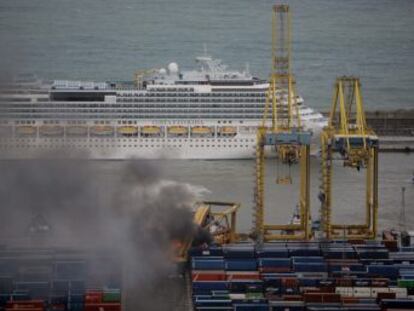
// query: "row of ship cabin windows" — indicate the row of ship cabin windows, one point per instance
point(129, 122)
point(234, 141)
point(192, 116)
point(191, 100)
point(122, 146)
point(212, 94)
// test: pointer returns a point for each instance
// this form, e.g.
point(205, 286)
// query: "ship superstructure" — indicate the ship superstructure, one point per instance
point(209, 113)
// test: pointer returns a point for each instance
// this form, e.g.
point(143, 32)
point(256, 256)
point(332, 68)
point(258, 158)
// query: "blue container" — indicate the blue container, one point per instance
point(215, 308)
point(287, 306)
point(77, 298)
point(304, 251)
point(6, 285)
point(310, 267)
point(373, 254)
point(362, 307)
point(274, 282)
point(273, 252)
point(351, 267)
point(60, 285)
point(239, 251)
point(210, 285)
point(251, 307)
point(20, 295)
point(340, 253)
point(207, 263)
point(70, 269)
point(240, 264)
point(390, 272)
point(211, 302)
point(309, 259)
point(76, 307)
point(274, 262)
point(210, 251)
point(309, 282)
point(243, 286)
point(398, 303)
point(36, 290)
point(4, 298)
point(60, 299)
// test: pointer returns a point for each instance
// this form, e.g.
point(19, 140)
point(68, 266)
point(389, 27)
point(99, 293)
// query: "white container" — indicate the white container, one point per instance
point(399, 292)
point(345, 291)
point(362, 292)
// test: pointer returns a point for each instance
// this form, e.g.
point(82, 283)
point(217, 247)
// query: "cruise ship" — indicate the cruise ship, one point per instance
point(208, 113)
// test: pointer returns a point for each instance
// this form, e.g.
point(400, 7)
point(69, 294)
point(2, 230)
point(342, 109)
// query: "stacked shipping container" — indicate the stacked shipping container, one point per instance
point(302, 276)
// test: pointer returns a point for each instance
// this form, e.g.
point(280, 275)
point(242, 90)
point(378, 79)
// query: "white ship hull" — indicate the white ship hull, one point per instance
point(241, 146)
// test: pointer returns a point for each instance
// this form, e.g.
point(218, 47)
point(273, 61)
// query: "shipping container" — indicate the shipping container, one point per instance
point(239, 251)
point(245, 264)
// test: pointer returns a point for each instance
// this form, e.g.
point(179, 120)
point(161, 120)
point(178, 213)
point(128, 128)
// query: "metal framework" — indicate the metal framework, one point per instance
point(347, 133)
point(208, 214)
point(285, 135)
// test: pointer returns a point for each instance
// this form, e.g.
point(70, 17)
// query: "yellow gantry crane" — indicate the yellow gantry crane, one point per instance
point(347, 133)
point(285, 135)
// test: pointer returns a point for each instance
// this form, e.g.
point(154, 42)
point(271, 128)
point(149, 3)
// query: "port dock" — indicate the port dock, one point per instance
point(395, 128)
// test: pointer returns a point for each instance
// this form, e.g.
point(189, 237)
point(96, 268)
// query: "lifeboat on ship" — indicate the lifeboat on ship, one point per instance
point(228, 130)
point(51, 131)
point(101, 131)
point(202, 131)
point(76, 130)
point(127, 130)
point(26, 130)
point(177, 130)
point(151, 131)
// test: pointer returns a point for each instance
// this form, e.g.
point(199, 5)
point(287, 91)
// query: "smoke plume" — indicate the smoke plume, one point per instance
point(124, 207)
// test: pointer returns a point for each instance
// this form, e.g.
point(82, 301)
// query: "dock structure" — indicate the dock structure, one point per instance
point(395, 128)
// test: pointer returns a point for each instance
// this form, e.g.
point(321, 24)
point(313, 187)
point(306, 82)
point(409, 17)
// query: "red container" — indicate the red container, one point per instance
point(240, 275)
point(102, 307)
point(381, 296)
point(292, 297)
point(93, 296)
point(290, 282)
point(26, 304)
point(343, 282)
point(57, 307)
point(322, 297)
point(349, 300)
point(379, 282)
point(208, 276)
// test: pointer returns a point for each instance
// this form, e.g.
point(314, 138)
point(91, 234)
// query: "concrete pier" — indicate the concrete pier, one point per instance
point(395, 128)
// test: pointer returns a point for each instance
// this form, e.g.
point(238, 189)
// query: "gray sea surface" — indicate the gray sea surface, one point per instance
point(233, 181)
point(110, 39)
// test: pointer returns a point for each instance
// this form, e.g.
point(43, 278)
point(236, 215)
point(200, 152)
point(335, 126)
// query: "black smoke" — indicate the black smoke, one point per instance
point(126, 207)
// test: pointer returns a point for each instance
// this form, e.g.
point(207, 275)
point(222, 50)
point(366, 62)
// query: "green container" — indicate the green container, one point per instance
point(254, 296)
point(111, 295)
point(406, 283)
